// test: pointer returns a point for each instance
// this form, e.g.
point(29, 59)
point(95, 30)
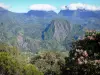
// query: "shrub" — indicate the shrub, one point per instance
point(9, 49)
point(84, 59)
point(8, 65)
point(12, 63)
point(49, 62)
point(30, 69)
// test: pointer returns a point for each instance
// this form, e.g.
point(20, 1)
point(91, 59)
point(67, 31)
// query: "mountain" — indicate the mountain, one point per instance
point(58, 29)
point(83, 17)
point(19, 23)
point(41, 13)
point(36, 30)
point(82, 13)
point(24, 30)
point(3, 10)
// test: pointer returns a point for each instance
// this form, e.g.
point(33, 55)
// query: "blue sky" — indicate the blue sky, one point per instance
point(23, 5)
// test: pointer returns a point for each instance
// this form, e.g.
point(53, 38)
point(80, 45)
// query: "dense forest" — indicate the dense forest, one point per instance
point(82, 59)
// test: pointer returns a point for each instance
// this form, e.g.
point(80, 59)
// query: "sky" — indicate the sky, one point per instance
point(26, 5)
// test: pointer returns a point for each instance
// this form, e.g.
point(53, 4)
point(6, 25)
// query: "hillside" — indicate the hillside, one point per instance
point(37, 30)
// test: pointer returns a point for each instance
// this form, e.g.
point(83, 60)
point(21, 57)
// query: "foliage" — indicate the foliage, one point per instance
point(90, 43)
point(30, 69)
point(49, 62)
point(8, 65)
point(14, 64)
point(9, 49)
point(84, 59)
point(3, 33)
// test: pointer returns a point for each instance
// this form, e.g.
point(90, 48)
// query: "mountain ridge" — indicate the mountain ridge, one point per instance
point(47, 30)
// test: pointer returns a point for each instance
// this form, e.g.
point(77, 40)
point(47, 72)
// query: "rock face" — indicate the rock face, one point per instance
point(58, 29)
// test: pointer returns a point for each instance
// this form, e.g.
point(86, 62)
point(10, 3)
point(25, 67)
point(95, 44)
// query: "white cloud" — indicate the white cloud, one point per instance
point(64, 7)
point(4, 6)
point(44, 7)
point(75, 6)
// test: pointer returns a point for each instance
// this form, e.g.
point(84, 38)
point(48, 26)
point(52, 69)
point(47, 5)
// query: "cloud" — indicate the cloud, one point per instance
point(63, 7)
point(4, 6)
point(44, 7)
point(75, 6)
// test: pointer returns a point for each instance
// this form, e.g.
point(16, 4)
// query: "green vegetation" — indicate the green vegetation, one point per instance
point(9, 65)
point(12, 63)
point(30, 69)
point(49, 62)
point(83, 59)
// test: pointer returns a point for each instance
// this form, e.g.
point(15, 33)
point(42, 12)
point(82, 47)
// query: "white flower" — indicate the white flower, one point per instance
point(85, 54)
point(85, 61)
point(79, 61)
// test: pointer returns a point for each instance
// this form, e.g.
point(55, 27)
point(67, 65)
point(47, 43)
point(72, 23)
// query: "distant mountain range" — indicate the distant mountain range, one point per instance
point(42, 14)
point(37, 30)
point(81, 13)
point(87, 18)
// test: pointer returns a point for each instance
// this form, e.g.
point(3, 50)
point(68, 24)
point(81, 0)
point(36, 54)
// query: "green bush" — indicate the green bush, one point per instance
point(49, 62)
point(8, 65)
point(84, 57)
point(12, 63)
point(9, 49)
point(30, 69)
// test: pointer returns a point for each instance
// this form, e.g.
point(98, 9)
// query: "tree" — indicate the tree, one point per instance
point(3, 33)
point(12, 64)
point(30, 69)
point(8, 65)
point(90, 43)
point(49, 62)
point(84, 57)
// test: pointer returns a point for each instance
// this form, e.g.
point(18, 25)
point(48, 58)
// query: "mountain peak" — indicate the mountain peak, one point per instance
point(76, 6)
point(41, 13)
point(2, 9)
point(58, 29)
